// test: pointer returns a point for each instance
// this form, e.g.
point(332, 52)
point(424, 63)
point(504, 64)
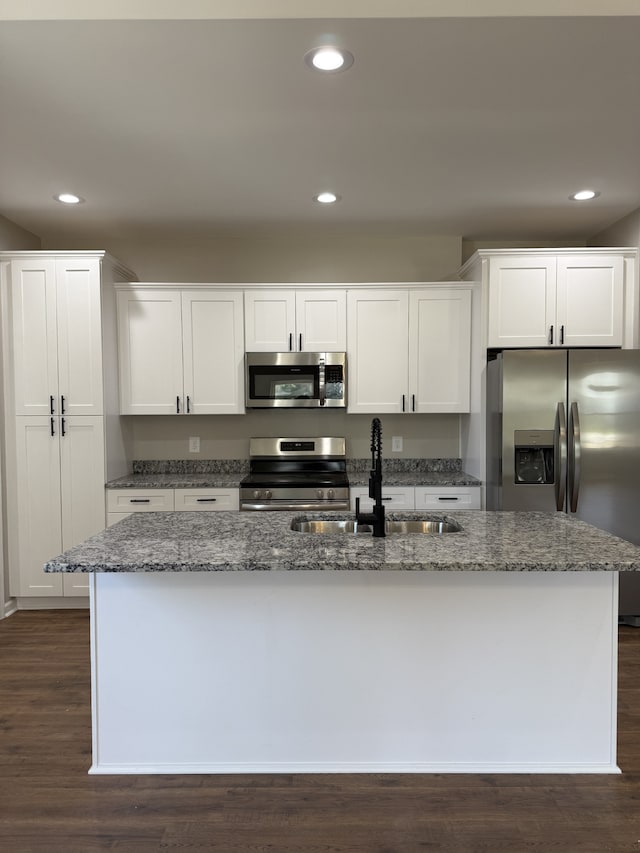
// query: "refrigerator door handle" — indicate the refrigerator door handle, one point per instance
point(574, 457)
point(560, 455)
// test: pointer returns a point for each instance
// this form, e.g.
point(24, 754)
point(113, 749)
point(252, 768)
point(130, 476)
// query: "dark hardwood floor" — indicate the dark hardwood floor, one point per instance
point(49, 803)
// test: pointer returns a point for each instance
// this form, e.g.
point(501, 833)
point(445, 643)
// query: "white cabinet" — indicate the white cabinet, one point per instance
point(56, 336)
point(440, 349)
point(441, 498)
point(409, 350)
point(60, 406)
point(542, 299)
point(393, 497)
point(59, 465)
point(447, 497)
point(295, 321)
point(123, 502)
point(181, 351)
point(206, 500)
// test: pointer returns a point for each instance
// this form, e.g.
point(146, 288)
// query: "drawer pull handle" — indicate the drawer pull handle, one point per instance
point(448, 499)
point(139, 500)
point(387, 499)
point(206, 500)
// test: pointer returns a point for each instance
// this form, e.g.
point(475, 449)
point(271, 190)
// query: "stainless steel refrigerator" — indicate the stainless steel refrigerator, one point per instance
point(563, 434)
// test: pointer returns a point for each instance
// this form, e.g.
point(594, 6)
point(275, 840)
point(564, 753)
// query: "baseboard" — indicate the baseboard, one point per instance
point(97, 769)
point(10, 607)
point(35, 603)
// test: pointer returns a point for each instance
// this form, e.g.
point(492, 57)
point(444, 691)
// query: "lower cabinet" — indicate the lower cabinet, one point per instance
point(123, 502)
point(58, 470)
point(449, 497)
point(419, 497)
point(394, 497)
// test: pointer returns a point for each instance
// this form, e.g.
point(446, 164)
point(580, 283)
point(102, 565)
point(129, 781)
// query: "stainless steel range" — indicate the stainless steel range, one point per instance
point(296, 473)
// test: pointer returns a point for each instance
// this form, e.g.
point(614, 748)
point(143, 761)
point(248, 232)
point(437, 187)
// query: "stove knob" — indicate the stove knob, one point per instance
point(257, 495)
point(331, 494)
point(268, 495)
point(319, 494)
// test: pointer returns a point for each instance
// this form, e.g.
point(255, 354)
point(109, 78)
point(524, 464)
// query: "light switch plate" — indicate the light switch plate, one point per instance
point(194, 444)
point(396, 444)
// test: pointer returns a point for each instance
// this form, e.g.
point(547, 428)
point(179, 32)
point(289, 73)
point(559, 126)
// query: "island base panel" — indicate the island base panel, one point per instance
point(247, 672)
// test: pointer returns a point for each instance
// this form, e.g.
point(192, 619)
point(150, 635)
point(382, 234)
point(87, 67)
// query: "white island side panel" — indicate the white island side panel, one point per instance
point(218, 672)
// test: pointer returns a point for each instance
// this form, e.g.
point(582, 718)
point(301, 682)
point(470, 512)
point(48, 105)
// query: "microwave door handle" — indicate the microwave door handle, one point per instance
point(560, 456)
point(322, 390)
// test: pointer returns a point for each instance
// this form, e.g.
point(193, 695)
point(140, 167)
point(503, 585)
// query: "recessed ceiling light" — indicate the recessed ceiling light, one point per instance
point(326, 198)
point(584, 195)
point(328, 58)
point(68, 198)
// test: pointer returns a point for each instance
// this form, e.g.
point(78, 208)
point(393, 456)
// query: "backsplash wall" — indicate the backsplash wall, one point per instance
point(227, 436)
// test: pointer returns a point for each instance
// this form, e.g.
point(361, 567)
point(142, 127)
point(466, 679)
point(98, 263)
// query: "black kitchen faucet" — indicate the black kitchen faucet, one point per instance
point(376, 517)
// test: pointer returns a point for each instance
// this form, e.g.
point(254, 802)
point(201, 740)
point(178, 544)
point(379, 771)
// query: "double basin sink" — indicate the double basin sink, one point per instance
point(351, 526)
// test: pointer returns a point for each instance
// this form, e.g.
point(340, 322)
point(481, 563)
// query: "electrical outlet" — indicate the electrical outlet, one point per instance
point(396, 444)
point(194, 444)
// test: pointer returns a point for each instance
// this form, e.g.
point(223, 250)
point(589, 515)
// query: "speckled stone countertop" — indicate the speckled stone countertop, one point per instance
point(227, 473)
point(264, 541)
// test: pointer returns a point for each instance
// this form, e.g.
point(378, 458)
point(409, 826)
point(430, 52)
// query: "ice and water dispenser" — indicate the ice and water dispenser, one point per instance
point(534, 456)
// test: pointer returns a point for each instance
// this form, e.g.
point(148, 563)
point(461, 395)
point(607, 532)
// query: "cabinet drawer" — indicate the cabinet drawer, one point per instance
point(206, 500)
point(394, 497)
point(433, 497)
point(140, 500)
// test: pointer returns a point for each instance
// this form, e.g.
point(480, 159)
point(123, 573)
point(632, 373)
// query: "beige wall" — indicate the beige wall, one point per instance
point(471, 246)
point(284, 256)
point(13, 237)
point(227, 436)
point(624, 232)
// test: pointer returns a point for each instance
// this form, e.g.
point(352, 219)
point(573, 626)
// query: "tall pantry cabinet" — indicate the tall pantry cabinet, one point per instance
point(60, 394)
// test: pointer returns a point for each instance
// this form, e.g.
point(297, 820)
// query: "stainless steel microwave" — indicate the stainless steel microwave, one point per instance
point(292, 380)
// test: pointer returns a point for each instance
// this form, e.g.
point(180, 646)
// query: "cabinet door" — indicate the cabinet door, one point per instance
point(377, 341)
point(590, 300)
point(150, 352)
point(213, 352)
point(522, 300)
point(440, 350)
point(447, 497)
point(126, 501)
point(34, 336)
point(321, 321)
point(270, 320)
point(82, 478)
point(79, 337)
point(394, 498)
point(207, 500)
point(37, 529)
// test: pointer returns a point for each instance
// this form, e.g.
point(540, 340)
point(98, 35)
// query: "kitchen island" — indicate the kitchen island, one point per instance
point(228, 642)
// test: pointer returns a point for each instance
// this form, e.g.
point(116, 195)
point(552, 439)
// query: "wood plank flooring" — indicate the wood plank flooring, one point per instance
point(49, 803)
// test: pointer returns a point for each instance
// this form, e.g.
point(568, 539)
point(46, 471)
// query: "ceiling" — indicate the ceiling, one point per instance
point(478, 127)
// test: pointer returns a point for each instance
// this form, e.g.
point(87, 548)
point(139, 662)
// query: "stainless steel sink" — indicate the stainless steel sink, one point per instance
point(422, 527)
point(333, 526)
point(392, 526)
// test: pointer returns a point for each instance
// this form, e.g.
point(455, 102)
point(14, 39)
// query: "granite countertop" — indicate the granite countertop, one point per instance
point(185, 480)
point(264, 541)
point(416, 478)
point(226, 474)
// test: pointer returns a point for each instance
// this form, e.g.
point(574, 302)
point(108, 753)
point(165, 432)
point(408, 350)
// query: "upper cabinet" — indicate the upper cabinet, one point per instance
point(56, 335)
point(409, 350)
point(295, 320)
point(555, 300)
point(181, 351)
